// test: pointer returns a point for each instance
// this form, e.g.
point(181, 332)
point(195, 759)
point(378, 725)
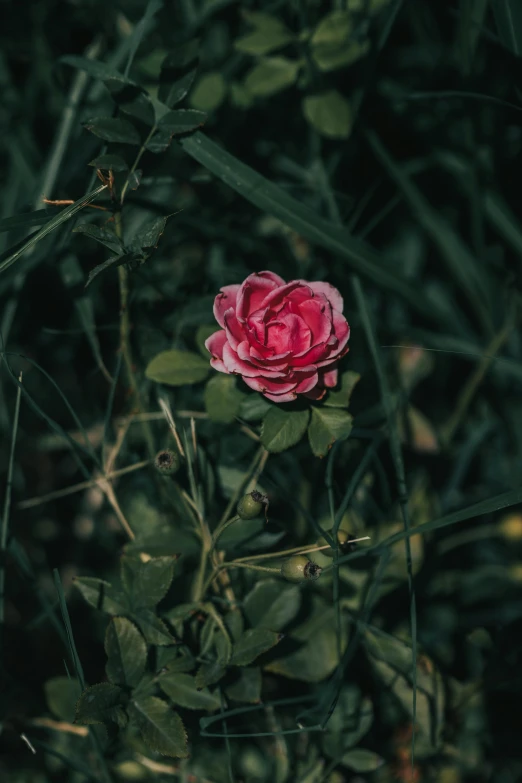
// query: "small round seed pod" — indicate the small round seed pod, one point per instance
point(250, 506)
point(300, 569)
point(343, 537)
point(166, 462)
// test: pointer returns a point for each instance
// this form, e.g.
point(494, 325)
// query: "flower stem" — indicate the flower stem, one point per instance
point(125, 347)
point(298, 550)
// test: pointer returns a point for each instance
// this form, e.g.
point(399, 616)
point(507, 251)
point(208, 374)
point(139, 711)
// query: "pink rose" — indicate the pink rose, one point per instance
point(284, 339)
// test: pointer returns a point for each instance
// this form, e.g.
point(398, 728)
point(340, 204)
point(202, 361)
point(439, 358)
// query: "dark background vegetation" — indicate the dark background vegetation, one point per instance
point(425, 173)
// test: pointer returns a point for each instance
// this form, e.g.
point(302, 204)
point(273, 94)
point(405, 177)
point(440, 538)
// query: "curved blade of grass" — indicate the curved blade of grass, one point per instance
point(489, 506)
point(53, 425)
point(459, 260)
point(141, 29)
point(88, 449)
point(36, 218)
point(7, 505)
point(398, 462)
point(272, 199)
point(62, 216)
point(508, 18)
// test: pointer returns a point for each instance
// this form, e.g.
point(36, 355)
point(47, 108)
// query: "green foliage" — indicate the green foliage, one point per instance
point(160, 727)
point(271, 604)
point(326, 427)
point(329, 113)
point(176, 368)
point(100, 704)
point(252, 644)
point(182, 691)
point(283, 428)
point(61, 695)
point(271, 75)
point(126, 652)
point(369, 144)
point(222, 398)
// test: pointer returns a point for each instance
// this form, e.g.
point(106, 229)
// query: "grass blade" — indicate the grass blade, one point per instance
point(459, 260)
point(398, 462)
point(7, 504)
point(65, 214)
point(272, 199)
point(508, 18)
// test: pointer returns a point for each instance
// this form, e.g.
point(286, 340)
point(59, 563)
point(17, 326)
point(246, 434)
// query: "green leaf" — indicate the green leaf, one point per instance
point(283, 429)
point(101, 595)
point(100, 703)
point(272, 604)
point(177, 368)
point(124, 258)
point(152, 627)
point(136, 104)
point(252, 644)
point(150, 233)
point(147, 582)
point(329, 113)
point(178, 72)
point(175, 93)
point(246, 686)
point(109, 163)
point(508, 19)
point(126, 652)
point(326, 426)
point(254, 407)
point(361, 760)
point(210, 673)
point(270, 198)
point(391, 660)
point(351, 720)
point(61, 217)
point(61, 695)
point(113, 129)
point(175, 123)
point(209, 92)
point(317, 657)
point(95, 68)
point(182, 690)
point(334, 45)
point(161, 728)
point(269, 34)
point(103, 235)
point(222, 398)
point(271, 75)
point(340, 396)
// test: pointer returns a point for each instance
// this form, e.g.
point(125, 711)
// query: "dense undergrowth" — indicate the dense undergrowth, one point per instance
point(152, 154)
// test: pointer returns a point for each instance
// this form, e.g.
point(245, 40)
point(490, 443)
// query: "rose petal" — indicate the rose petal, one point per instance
point(329, 378)
point(264, 385)
point(225, 300)
point(236, 365)
point(317, 393)
point(234, 332)
point(307, 383)
point(330, 292)
point(247, 354)
point(277, 298)
point(254, 290)
point(214, 344)
point(316, 315)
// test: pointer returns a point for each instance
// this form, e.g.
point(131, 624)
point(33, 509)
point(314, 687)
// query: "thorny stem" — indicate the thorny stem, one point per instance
point(135, 164)
point(125, 328)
